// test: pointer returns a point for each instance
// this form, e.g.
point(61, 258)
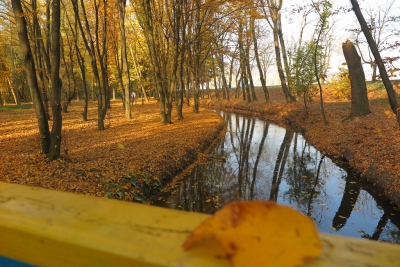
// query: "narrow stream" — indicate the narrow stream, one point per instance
point(261, 160)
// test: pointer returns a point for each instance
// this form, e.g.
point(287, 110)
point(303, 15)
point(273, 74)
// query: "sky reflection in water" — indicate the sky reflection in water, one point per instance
point(260, 160)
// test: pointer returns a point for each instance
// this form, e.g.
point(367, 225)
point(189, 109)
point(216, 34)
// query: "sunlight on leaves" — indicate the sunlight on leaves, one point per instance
point(260, 233)
point(121, 146)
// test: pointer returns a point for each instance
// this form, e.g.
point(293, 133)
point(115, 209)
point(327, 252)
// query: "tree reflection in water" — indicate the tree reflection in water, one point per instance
point(260, 160)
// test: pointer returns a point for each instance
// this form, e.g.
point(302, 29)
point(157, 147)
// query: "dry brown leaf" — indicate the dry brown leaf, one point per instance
point(260, 233)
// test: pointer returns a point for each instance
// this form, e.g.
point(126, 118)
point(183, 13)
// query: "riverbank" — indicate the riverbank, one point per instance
point(370, 145)
point(130, 160)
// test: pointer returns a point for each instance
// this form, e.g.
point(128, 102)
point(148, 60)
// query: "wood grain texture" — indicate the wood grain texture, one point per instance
point(51, 228)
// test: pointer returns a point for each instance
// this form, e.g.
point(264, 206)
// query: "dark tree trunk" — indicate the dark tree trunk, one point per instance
point(350, 195)
point(56, 83)
point(225, 87)
point(359, 98)
point(257, 57)
point(31, 76)
point(378, 60)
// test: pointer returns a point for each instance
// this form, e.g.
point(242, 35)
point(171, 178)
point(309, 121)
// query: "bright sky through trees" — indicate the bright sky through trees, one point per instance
point(342, 22)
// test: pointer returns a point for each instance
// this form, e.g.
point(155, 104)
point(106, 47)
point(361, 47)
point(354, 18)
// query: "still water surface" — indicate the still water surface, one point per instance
point(261, 160)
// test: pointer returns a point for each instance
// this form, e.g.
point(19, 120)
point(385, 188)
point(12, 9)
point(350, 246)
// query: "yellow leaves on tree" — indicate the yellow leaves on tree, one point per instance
point(260, 233)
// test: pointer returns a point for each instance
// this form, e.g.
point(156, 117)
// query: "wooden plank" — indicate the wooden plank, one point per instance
point(50, 228)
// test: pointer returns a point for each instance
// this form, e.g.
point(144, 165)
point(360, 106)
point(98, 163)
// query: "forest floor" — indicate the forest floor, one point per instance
point(370, 145)
point(134, 159)
point(129, 160)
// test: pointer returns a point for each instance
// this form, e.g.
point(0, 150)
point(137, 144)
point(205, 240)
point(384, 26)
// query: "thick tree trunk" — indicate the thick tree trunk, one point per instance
point(359, 98)
point(31, 76)
point(378, 60)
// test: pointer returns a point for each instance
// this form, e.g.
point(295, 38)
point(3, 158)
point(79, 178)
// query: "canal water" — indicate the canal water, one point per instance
point(261, 160)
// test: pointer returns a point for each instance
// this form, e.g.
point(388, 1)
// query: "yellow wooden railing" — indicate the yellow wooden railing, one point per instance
point(42, 227)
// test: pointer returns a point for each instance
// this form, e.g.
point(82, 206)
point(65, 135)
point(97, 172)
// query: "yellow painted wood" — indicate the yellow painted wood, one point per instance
point(50, 228)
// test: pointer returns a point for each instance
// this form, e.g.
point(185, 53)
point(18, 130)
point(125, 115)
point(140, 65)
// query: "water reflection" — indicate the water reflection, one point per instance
point(259, 160)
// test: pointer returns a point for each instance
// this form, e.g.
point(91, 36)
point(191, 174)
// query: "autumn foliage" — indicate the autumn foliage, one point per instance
point(369, 145)
point(130, 160)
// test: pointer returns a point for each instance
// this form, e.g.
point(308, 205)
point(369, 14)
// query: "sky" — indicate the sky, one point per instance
point(342, 22)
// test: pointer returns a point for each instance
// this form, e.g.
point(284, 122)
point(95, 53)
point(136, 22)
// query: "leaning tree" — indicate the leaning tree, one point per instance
point(378, 60)
point(50, 141)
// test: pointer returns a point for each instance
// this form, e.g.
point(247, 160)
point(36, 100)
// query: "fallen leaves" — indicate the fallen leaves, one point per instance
point(372, 142)
point(260, 233)
point(97, 162)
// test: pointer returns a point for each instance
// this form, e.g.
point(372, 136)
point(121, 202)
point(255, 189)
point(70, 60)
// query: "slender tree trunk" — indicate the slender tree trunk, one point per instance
point(12, 84)
point(97, 52)
point(278, 59)
point(225, 94)
point(374, 71)
point(257, 57)
point(139, 73)
point(284, 54)
point(323, 22)
point(42, 59)
point(378, 60)
point(56, 82)
point(183, 46)
point(150, 32)
point(14, 92)
point(179, 101)
point(274, 11)
point(215, 78)
point(125, 65)
point(243, 68)
point(81, 64)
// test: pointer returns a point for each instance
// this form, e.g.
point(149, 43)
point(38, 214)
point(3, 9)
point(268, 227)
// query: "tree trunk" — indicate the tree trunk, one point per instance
point(81, 64)
point(139, 73)
point(374, 77)
point(243, 60)
point(125, 66)
point(31, 76)
point(257, 57)
point(225, 89)
point(215, 77)
point(288, 96)
point(378, 60)
point(359, 98)
point(56, 83)
point(284, 55)
point(274, 14)
point(14, 92)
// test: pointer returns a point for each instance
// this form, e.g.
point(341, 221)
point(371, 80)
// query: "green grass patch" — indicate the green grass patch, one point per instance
point(15, 107)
